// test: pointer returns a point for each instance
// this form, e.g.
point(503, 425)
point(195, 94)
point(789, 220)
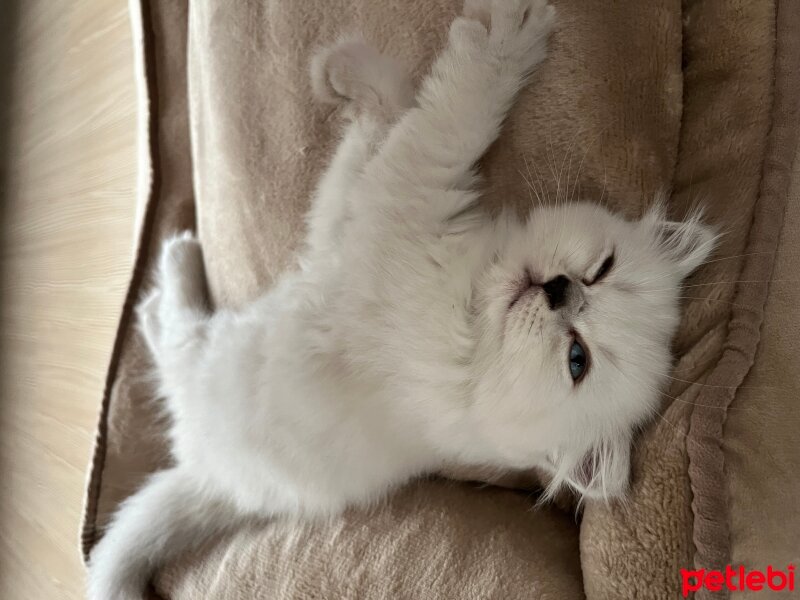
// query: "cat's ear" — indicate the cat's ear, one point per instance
point(602, 472)
point(687, 244)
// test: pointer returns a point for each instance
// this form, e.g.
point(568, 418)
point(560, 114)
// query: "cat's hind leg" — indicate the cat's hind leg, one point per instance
point(374, 91)
point(174, 316)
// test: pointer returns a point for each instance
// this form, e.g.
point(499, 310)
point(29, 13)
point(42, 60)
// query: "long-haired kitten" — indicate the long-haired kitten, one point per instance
point(416, 331)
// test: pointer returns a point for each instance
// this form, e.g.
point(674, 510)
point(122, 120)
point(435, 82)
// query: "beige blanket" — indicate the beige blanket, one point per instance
point(699, 99)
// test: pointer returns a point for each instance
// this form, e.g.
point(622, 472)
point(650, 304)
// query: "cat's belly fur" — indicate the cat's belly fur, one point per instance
point(277, 430)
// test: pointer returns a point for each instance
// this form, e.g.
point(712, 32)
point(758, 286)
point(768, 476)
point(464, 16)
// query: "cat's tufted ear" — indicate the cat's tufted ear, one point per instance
point(687, 244)
point(602, 472)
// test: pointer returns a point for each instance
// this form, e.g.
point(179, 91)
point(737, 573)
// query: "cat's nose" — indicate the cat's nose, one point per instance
point(556, 291)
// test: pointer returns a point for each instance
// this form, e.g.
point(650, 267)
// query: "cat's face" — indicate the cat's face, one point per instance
point(576, 315)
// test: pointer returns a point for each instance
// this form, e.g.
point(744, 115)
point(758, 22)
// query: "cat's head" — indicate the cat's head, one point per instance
point(575, 317)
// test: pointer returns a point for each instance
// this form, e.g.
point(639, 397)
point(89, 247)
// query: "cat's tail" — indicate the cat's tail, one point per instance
point(168, 516)
point(175, 315)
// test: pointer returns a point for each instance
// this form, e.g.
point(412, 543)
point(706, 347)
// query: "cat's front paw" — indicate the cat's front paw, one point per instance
point(512, 31)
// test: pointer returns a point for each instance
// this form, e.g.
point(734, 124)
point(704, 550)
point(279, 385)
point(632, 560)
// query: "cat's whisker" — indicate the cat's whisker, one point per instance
point(526, 178)
point(650, 280)
point(548, 158)
point(583, 158)
point(694, 285)
point(665, 275)
point(709, 299)
point(550, 202)
point(753, 410)
point(671, 424)
point(561, 172)
point(531, 189)
point(560, 237)
point(569, 152)
point(545, 192)
point(541, 193)
point(707, 385)
point(779, 252)
point(722, 300)
point(551, 156)
point(605, 182)
point(749, 409)
point(723, 387)
point(576, 185)
point(720, 259)
point(567, 187)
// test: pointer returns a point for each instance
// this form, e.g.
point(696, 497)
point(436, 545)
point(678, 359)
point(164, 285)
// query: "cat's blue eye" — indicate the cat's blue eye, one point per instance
point(577, 361)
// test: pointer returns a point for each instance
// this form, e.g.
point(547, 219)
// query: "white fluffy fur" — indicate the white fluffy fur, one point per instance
point(391, 350)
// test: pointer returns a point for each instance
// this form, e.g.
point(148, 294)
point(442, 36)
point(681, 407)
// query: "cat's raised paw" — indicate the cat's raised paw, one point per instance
point(515, 31)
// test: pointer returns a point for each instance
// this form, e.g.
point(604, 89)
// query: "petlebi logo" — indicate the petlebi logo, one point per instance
point(738, 579)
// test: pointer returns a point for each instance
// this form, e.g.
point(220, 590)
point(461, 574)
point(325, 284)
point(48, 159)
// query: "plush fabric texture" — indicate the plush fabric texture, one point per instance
point(698, 98)
point(130, 442)
point(760, 444)
point(432, 540)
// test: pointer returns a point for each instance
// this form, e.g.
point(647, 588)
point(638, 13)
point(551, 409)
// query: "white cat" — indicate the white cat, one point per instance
point(416, 331)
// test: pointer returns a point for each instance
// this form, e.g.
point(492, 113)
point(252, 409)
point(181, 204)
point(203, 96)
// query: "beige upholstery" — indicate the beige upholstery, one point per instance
point(699, 99)
point(433, 540)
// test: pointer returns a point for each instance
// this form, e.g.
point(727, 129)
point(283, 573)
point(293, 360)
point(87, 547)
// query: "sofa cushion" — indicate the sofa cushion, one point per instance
point(433, 539)
point(699, 98)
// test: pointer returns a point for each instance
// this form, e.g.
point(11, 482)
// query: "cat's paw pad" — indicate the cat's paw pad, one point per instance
point(515, 31)
point(352, 70)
